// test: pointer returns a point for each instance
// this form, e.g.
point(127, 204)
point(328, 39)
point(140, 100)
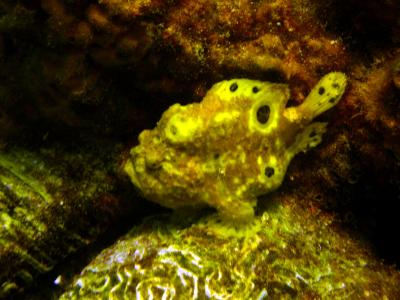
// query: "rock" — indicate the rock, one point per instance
point(53, 203)
point(287, 252)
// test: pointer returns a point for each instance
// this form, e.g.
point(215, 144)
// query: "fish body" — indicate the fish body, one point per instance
point(233, 146)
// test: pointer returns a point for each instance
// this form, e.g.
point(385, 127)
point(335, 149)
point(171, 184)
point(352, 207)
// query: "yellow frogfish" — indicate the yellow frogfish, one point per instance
point(233, 146)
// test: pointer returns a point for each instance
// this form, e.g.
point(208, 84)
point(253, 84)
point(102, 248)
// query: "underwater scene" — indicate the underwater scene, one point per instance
point(208, 149)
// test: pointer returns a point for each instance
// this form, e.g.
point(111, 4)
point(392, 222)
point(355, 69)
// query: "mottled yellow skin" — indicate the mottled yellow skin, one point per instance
point(230, 148)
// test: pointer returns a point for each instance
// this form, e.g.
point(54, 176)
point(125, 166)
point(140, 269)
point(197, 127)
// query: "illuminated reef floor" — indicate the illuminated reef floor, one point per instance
point(285, 253)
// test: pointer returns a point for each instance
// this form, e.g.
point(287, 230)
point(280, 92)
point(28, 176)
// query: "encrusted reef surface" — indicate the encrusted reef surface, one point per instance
point(68, 58)
point(53, 204)
point(91, 75)
point(285, 253)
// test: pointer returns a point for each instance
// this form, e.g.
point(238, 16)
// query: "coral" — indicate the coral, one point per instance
point(285, 253)
point(363, 29)
point(396, 73)
point(15, 20)
point(252, 38)
point(230, 148)
point(373, 99)
point(108, 42)
point(14, 17)
point(108, 69)
point(81, 54)
point(355, 172)
point(52, 203)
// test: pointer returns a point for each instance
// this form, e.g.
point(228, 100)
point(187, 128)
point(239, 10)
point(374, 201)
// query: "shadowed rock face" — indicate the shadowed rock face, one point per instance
point(108, 69)
point(91, 66)
point(53, 204)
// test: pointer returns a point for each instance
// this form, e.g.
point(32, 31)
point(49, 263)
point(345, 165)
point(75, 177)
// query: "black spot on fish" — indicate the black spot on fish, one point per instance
point(269, 172)
point(233, 87)
point(263, 114)
point(173, 130)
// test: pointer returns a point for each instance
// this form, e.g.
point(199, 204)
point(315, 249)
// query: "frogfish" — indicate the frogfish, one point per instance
point(231, 147)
